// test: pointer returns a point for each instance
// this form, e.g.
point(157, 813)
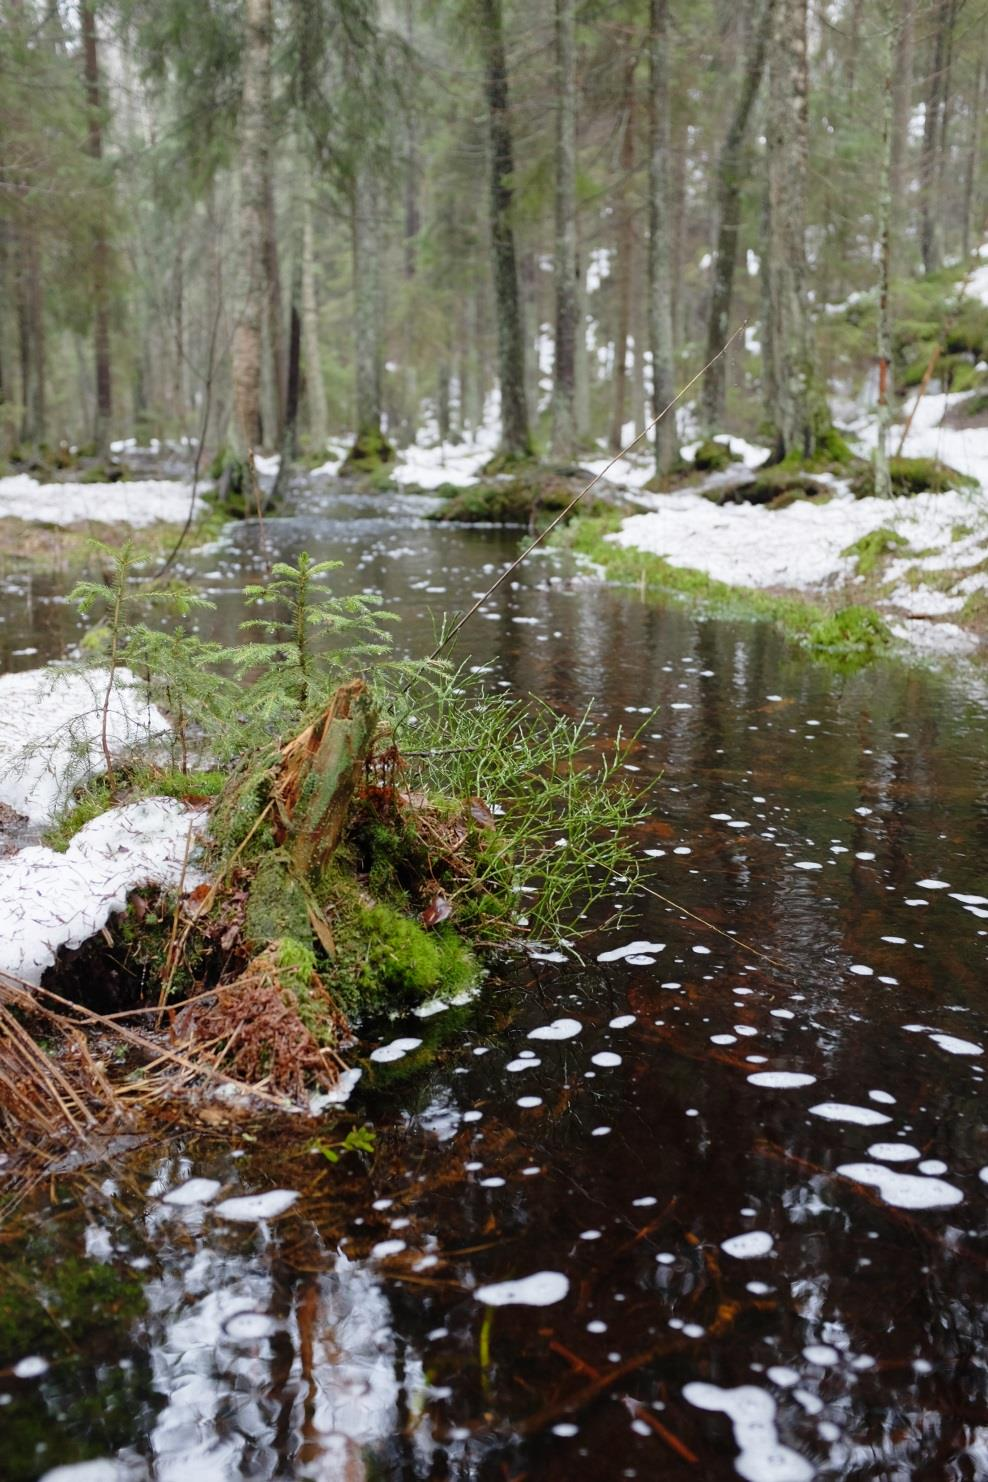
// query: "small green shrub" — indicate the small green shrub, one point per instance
point(870, 548)
point(853, 632)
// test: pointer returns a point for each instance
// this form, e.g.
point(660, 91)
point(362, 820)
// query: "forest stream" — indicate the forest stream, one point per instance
point(699, 1198)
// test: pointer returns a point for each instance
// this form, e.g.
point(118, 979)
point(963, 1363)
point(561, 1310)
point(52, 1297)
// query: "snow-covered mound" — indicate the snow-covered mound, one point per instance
point(50, 900)
point(139, 502)
point(50, 733)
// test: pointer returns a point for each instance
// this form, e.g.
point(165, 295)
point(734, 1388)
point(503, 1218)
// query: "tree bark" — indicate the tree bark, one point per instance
point(968, 223)
point(883, 482)
point(31, 335)
point(624, 256)
point(315, 387)
point(564, 377)
point(370, 443)
point(931, 239)
point(796, 409)
point(659, 236)
point(101, 250)
point(731, 174)
point(252, 145)
point(515, 435)
point(902, 89)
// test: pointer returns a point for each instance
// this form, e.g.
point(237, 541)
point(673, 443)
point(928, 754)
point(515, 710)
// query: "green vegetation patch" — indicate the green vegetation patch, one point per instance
point(870, 548)
point(531, 498)
point(912, 476)
point(853, 633)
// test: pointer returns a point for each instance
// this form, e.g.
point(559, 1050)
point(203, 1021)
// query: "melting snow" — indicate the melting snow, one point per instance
point(633, 949)
point(903, 1190)
point(751, 1243)
point(781, 1080)
point(137, 502)
point(247, 1208)
point(838, 1111)
point(751, 1411)
point(558, 1029)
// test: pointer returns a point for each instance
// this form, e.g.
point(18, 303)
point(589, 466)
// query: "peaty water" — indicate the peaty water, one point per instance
point(701, 1202)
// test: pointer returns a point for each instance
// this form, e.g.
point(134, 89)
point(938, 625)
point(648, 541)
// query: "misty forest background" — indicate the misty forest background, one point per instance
point(266, 223)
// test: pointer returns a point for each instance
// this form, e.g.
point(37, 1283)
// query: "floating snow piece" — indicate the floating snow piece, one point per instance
point(633, 949)
point(385, 1248)
point(839, 1111)
point(397, 1050)
point(955, 1046)
point(524, 1062)
point(821, 1354)
point(903, 1190)
point(781, 1080)
point(751, 1243)
point(969, 900)
point(623, 1021)
point(806, 864)
point(893, 1152)
point(249, 1208)
point(558, 1029)
point(606, 1059)
point(31, 1368)
point(541, 1289)
point(50, 900)
point(861, 970)
point(933, 884)
point(248, 1327)
point(751, 1411)
point(193, 1191)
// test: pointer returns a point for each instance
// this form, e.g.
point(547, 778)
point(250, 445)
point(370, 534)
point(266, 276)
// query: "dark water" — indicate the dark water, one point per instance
point(346, 1339)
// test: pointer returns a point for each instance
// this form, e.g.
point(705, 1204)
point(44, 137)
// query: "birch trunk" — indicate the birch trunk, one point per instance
point(515, 436)
point(564, 377)
point(731, 174)
point(659, 236)
point(247, 332)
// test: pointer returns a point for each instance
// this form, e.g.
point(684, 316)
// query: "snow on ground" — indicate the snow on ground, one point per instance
point(50, 733)
point(138, 502)
point(802, 545)
point(963, 448)
point(50, 900)
point(429, 462)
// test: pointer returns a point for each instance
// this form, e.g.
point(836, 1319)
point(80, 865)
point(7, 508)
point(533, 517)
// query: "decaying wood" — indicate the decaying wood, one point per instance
point(320, 771)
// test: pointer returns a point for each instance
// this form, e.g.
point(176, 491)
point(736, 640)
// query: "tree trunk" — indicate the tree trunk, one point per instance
point(731, 174)
point(252, 145)
point(101, 251)
point(582, 368)
point(564, 376)
point(515, 436)
point(902, 89)
point(315, 387)
point(931, 240)
point(796, 408)
point(31, 336)
point(883, 483)
point(370, 447)
point(659, 236)
point(968, 223)
point(624, 262)
point(272, 290)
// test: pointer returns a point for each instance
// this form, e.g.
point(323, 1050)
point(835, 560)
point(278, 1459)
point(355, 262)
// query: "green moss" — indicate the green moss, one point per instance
point(371, 455)
point(713, 456)
point(853, 633)
point(912, 476)
point(538, 495)
point(787, 478)
point(276, 907)
point(90, 802)
point(872, 547)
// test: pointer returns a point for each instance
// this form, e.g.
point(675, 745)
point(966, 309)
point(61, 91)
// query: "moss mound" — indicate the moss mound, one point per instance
point(713, 456)
point(912, 476)
point(854, 633)
point(370, 456)
point(529, 499)
point(870, 549)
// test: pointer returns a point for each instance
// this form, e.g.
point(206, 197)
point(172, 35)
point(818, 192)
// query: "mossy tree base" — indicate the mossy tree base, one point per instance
point(912, 476)
point(530, 498)
point(370, 457)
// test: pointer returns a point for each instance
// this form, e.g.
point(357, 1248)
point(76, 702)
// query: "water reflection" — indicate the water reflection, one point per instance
point(668, 1156)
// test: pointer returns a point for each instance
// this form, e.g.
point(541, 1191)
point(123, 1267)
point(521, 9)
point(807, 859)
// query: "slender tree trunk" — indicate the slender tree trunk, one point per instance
point(731, 174)
point(101, 250)
point(582, 368)
point(883, 483)
point(968, 223)
point(515, 436)
point(931, 242)
point(178, 377)
point(315, 387)
point(624, 256)
point(370, 445)
point(902, 90)
point(797, 411)
point(31, 336)
point(564, 378)
point(272, 291)
point(252, 144)
point(659, 236)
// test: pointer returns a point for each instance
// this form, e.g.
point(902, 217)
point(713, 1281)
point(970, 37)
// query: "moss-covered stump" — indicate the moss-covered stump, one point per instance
point(370, 457)
point(912, 476)
point(532, 498)
point(713, 456)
